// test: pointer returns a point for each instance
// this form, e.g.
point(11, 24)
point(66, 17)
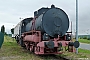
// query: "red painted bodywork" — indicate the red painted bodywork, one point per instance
point(31, 38)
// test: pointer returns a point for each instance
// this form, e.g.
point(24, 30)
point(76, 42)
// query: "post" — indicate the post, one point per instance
point(76, 24)
point(71, 30)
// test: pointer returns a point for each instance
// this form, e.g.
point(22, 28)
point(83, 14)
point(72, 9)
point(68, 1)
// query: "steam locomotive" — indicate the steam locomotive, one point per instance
point(46, 33)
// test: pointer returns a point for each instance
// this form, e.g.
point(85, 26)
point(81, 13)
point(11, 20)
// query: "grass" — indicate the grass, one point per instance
point(84, 41)
point(82, 54)
point(12, 51)
point(84, 51)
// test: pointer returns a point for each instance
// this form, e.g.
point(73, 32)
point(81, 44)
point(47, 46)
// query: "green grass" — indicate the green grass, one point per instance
point(84, 51)
point(12, 51)
point(84, 41)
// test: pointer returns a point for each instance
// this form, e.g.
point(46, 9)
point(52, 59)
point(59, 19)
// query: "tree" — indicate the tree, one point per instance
point(5, 33)
point(12, 30)
point(2, 29)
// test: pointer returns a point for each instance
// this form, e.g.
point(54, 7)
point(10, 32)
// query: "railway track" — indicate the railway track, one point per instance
point(51, 57)
point(48, 57)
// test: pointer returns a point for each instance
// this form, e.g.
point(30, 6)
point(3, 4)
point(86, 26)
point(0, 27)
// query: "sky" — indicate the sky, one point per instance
point(12, 10)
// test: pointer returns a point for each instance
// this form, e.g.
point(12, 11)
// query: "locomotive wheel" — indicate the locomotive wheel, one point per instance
point(38, 48)
point(27, 45)
point(31, 48)
point(28, 48)
point(21, 42)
